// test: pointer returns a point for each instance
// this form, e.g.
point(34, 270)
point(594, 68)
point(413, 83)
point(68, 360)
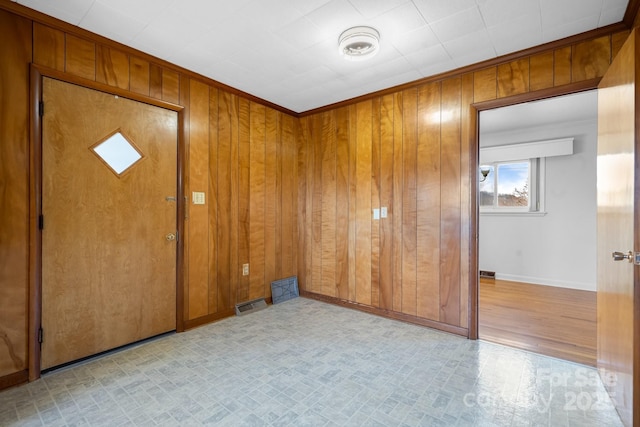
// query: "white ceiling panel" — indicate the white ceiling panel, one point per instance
point(435, 10)
point(100, 17)
point(499, 12)
point(397, 22)
point(143, 10)
point(259, 14)
point(570, 28)
point(306, 6)
point(459, 25)
point(301, 34)
point(414, 41)
point(372, 8)
point(555, 13)
point(470, 48)
point(334, 17)
point(516, 34)
point(429, 57)
point(285, 51)
point(611, 15)
point(71, 11)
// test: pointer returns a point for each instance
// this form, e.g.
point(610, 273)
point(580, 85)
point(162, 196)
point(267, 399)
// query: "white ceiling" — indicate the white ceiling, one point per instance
point(285, 51)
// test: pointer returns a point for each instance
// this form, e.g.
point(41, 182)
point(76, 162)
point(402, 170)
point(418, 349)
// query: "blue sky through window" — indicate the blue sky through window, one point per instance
point(512, 176)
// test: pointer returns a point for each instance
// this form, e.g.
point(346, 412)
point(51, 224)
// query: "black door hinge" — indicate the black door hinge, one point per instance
point(41, 222)
point(40, 333)
point(41, 108)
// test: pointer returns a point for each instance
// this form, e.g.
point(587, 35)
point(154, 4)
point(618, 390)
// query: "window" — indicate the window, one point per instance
point(117, 152)
point(515, 182)
point(511, 186)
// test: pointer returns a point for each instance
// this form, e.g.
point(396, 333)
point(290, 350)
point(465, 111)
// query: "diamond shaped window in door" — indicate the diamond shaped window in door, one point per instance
point(117, 152)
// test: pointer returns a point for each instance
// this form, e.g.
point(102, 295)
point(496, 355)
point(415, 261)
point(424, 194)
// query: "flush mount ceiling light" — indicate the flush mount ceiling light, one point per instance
point(359, 43)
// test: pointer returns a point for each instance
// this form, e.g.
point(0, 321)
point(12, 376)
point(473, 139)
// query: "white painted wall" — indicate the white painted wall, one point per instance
point(559, 248)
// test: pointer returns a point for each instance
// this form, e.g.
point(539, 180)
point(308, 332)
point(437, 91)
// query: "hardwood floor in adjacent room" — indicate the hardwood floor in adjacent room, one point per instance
point(553, 321)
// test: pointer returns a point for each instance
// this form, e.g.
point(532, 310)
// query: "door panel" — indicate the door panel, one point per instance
point(617, 210)
point(108, 271)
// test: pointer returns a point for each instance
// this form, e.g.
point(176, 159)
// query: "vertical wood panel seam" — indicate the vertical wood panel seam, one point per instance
point(553, 75)
point(264, 203)
point(208, 192)
point(216, 182)
point(440, 196)
point(336, 275)
point(415, 201)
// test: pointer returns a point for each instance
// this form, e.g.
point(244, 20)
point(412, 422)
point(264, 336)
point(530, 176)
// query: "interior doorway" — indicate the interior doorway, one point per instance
point(537, 226)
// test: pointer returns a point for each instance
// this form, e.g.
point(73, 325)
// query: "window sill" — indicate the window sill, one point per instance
point(512, 213)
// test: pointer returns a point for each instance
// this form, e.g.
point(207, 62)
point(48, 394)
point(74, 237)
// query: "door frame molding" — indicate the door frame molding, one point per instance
point(37, 73)
point(474, 165)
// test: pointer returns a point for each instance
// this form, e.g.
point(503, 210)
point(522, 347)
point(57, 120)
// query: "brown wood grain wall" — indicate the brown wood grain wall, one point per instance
point(15, 55)
point(241, 154)
point(410, 151)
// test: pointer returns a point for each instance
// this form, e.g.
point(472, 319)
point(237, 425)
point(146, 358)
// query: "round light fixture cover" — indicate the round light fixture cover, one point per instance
point(359, 43)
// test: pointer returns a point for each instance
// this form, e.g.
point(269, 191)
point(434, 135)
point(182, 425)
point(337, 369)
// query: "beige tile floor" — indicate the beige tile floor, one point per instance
point(306, 363)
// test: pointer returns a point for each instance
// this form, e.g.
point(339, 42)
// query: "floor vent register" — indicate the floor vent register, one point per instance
point(250, 306)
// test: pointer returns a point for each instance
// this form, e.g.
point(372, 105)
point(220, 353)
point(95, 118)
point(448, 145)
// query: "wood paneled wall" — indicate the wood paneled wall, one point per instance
point(243, 156)
point(15, 55)
point(61, 51)
point(411, 151)
point(240, 153)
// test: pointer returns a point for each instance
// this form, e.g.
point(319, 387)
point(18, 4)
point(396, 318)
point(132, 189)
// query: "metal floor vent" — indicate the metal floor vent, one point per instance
point(250, 306)
point(487, 274)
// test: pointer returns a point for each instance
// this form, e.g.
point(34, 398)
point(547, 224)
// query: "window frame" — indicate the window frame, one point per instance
point(536, 190)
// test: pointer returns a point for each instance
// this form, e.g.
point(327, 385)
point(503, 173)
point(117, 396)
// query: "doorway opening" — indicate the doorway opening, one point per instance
point(537, 226)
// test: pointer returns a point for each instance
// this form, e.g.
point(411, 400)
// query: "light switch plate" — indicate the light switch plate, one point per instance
point(198, 198)
point(376, 214)
point(245, 269)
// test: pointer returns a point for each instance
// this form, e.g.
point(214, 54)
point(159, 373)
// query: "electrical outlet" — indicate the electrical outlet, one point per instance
point(383, 212)
point(245, 269)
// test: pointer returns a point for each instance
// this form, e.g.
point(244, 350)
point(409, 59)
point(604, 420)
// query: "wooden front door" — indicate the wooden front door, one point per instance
point(619, 232)
point(108, 267)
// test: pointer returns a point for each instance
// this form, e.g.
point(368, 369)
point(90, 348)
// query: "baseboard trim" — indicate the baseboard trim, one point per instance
point(209, 318)
point(547, 282)
point(14, 379)
point(387, 313)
